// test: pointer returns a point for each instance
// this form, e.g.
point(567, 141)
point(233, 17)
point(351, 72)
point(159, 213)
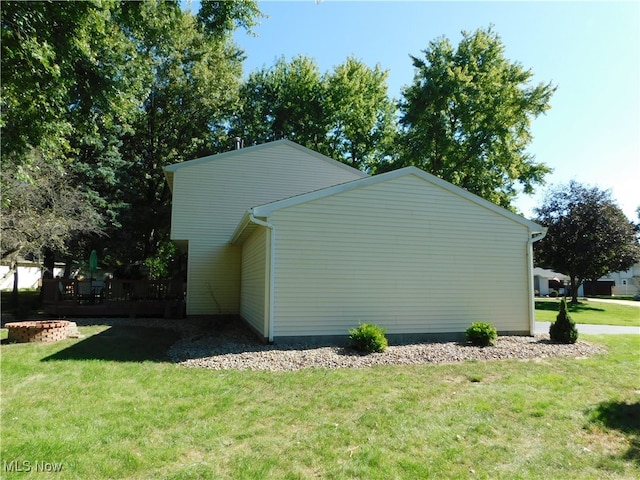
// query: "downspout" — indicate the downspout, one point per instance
point(272, 249)
point(532, 301)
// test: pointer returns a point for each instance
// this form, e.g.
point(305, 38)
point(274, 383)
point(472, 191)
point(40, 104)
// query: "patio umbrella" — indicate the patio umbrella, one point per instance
point(93, 262)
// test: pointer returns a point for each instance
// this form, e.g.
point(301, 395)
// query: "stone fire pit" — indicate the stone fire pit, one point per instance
point(40, 330)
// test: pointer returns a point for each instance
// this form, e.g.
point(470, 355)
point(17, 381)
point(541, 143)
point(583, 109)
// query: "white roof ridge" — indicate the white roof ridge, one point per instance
point(267, 208)
point(254, 148)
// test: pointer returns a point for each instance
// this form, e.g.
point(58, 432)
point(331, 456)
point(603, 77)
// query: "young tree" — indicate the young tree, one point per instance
point(588, 235)
point(467, 117)
point(564, 329)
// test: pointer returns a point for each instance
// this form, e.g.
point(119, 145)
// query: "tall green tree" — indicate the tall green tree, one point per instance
point(588, 235)
point(363, 124)
point(222, 17)
point(37, 62)
point(467, 116)
point(286, 100)
point(62, 61)
point(194, 76)
point(345, 114)
point(68, 90)
point(109, 92)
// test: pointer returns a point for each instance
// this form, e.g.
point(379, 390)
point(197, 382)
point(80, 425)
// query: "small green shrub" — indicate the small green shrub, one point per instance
point(564, 329)
point(368, 338)
point(482, 334)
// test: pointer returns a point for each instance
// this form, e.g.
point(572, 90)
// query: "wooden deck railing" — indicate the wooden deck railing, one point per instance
point(64, 296)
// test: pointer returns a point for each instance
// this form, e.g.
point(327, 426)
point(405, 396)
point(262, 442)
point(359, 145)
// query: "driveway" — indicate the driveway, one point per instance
point(629, 303)
point(543, 327)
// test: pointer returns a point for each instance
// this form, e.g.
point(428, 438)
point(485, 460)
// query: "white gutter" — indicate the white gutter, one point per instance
point(272, 249)
point(532, 301)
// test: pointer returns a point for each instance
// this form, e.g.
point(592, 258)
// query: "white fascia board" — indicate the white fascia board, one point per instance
point(236, 238)
point(168, 175)
point(322, 157)
point(169, 170)
point(267, 209)
point(533, 227)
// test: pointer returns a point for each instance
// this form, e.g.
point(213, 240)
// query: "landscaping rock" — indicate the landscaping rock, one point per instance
point(236, 348)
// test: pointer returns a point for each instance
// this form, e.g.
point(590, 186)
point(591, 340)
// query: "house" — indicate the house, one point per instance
point(30, 274)
point(548, 283)
point(211, 194)
point(302, 247)
point(624, 283)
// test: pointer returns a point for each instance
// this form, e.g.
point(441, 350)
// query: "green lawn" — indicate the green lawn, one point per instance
point(111, 406)
point(591, 312)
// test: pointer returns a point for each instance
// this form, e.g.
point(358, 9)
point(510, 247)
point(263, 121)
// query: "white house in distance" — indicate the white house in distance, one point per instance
point(302, 246)
point(29, 275)
point(625, 283)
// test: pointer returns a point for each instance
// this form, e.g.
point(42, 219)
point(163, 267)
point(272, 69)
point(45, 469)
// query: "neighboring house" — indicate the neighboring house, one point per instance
point(404, 250)
point(546, 282)
point(615, 283)
point(625, 283)
point(29, 275)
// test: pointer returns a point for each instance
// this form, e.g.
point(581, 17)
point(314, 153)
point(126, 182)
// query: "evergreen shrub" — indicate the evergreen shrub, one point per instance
point(563, 330)
point(368, 338)
point(482, 334)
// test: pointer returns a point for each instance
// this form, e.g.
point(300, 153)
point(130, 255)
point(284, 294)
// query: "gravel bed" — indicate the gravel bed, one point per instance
point(234, 347)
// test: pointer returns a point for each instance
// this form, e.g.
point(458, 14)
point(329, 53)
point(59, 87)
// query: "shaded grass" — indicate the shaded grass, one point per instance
point(108, 418)
point(595, 313)
point(622, 416)
point(29, 303)
point(120, 344)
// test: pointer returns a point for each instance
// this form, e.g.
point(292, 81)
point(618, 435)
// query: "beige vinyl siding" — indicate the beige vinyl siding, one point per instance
point(405, 254)
point(210, 197)
point(254, 286)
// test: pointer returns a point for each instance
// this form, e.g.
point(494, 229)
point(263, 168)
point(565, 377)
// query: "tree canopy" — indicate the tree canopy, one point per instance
point(345, 114)
point(100, 96)
point(588, 234)
point(60, 211)
point(106, 94)
point(466, 117)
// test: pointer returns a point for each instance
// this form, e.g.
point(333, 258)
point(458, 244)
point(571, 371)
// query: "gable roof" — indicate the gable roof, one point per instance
point(170, 170)
point(264, 211)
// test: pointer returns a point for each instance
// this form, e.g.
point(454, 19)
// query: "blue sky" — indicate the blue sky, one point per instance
point(590, 50)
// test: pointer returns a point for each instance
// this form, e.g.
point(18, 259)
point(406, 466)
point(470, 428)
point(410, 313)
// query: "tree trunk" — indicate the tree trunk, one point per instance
point(575, 284)
point(14, 294)
point(49, 263)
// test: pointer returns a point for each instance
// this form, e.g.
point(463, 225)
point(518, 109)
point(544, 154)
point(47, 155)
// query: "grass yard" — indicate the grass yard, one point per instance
point(595, 313)
point(110, 406)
